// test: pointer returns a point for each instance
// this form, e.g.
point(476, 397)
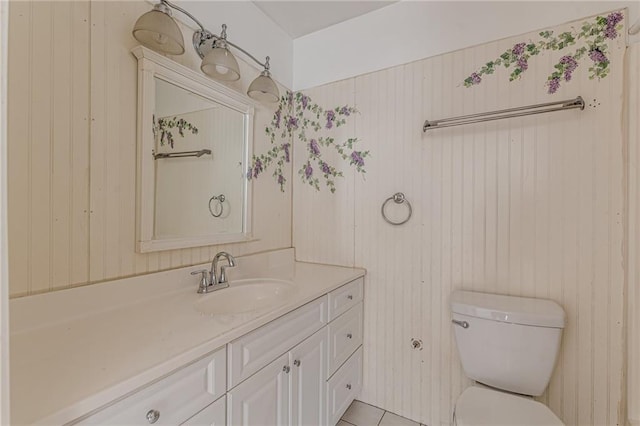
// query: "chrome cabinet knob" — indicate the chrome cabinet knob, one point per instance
point(153, 416)
point(349, 336)
point(286, 369)
point(296, 363)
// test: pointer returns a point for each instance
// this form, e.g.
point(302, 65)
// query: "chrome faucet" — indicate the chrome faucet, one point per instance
point(222, 278)
point(210, 280)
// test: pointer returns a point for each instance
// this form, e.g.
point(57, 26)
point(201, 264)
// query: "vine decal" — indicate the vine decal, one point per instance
point(299, 117)
point(593, 39)
point(163, 127)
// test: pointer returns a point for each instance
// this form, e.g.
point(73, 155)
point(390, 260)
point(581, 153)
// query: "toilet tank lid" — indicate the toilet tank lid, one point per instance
point(515, 310)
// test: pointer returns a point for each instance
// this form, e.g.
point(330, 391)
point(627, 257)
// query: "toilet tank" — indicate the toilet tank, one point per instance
point(507, 342)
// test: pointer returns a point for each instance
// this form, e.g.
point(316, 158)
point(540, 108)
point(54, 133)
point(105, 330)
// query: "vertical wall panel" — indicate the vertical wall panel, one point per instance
point(19, 146)
point(97, 145)
point(78, 183)
point(61, 144)
point(633, 308)
point(41, 146)
point(531, 206)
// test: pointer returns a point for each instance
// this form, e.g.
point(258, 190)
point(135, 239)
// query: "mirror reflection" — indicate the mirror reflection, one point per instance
point(199, 156)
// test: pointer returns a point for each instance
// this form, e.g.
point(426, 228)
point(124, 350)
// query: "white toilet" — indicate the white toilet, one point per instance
point(509, 346)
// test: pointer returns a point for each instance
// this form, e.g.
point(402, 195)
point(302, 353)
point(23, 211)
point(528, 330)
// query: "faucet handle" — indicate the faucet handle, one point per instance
point(204, 280)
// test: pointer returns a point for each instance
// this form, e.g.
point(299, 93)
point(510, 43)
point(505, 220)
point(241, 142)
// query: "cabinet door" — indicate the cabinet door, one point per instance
point(263, 399)
point(214, 415)
point(308, 387)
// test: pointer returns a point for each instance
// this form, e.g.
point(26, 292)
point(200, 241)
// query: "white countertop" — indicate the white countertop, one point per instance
point(76, 350)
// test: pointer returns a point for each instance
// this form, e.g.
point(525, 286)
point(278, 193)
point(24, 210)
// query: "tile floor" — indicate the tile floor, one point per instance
point(361, 414)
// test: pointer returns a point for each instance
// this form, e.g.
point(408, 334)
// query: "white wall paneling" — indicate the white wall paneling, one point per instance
point(633, 316)
point(72, 150)
point(530, 206)
point(4, 254)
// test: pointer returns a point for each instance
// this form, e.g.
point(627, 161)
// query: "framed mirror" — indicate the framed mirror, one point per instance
point(194, 145)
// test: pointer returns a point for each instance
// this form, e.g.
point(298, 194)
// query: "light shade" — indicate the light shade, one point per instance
point(263, 88)
point(157, 30)
point(220, 64)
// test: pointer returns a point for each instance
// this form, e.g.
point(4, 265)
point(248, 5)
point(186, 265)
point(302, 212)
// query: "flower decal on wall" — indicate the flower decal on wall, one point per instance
point(593, 38)
point(298, 117)
point(163, 126)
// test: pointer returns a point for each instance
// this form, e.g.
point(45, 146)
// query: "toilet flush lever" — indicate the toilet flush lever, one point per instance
point(462, 324)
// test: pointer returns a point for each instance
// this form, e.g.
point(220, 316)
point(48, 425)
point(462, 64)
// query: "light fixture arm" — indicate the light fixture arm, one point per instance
point(179, 9)
point(203, 35)
point(263, 65)
point(200, 37)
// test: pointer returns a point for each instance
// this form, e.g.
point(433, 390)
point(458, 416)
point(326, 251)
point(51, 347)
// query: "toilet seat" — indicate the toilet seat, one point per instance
point(480, 406)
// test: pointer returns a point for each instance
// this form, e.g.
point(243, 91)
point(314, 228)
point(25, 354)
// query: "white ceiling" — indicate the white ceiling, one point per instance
point(299, 18)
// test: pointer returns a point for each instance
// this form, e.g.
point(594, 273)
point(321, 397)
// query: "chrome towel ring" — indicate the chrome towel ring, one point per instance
point(220, 199)
point(397, 198)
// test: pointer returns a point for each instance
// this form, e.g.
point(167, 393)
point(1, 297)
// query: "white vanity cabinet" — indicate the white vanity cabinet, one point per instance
point(289, 391)
point(304, 368)
point(316, 380)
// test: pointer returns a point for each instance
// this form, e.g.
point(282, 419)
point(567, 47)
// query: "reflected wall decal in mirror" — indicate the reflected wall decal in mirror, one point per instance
point(195, 147)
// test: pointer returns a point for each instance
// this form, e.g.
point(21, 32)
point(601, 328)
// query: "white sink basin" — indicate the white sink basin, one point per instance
point(246, 296)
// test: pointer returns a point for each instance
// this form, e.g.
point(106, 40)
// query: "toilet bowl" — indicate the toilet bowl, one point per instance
point(480, 406)
point(510, 344)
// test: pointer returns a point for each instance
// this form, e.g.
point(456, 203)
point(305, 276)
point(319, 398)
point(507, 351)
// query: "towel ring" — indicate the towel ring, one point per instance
point(397, 198)
point(220, 199)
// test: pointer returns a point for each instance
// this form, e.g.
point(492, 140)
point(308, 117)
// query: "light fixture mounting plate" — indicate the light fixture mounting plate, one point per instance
point(203, 42)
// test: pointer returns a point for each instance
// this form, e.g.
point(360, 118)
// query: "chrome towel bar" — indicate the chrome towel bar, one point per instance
point(182, 154)
point(505, 113)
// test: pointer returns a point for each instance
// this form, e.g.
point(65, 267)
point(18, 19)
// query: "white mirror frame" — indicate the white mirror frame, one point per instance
point(150, 66)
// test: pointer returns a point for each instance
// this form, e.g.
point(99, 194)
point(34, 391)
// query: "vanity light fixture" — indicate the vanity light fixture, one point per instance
point(157, 30)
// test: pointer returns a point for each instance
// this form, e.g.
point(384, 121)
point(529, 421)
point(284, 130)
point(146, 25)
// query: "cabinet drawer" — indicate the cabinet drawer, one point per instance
point(344, 298)
point(345, 335)
point(253, 351)
point(214, 415)
point(176, 397)
point(344, 386)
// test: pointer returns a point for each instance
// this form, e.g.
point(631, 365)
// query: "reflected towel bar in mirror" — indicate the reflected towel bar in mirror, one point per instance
point(182, 154)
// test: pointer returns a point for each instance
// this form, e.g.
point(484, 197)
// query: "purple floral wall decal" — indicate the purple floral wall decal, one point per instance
point(163, 126)
point(593, 37)
point(298, 117)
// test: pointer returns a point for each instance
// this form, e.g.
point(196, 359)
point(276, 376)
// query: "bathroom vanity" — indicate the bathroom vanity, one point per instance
point(141, 351)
